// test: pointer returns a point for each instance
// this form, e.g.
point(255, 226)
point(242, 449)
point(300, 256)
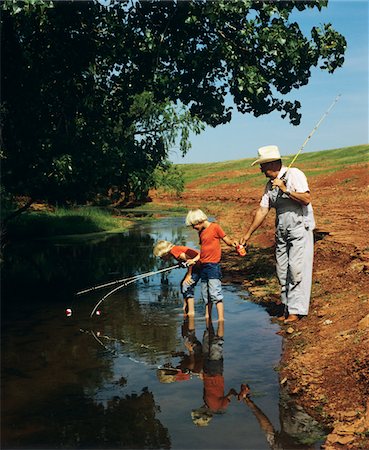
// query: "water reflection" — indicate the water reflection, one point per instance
point(215, 400)
point(81, 382)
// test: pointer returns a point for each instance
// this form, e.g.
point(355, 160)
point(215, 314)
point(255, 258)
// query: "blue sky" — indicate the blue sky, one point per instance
point(345, 125)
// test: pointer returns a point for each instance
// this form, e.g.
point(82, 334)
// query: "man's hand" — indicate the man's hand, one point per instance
point(277, 182)
point(244, 392)
point(245, 239)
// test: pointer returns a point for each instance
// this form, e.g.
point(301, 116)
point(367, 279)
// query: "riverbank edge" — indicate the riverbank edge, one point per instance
point(347, 429)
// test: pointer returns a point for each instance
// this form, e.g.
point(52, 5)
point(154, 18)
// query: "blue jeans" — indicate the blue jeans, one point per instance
point(188, 289)
point(211, 285)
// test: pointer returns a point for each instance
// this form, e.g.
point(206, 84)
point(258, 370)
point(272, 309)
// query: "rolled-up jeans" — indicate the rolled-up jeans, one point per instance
point(211, 285)
point(188, 289)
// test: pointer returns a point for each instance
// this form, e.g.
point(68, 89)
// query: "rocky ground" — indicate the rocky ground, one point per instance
point(325, 361)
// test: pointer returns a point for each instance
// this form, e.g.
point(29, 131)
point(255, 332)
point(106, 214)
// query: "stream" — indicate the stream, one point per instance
point(125, 378)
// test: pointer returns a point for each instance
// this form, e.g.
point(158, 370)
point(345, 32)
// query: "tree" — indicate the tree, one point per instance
point(96, 94)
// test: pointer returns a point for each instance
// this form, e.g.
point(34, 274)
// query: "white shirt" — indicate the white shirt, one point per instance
point(296, 181)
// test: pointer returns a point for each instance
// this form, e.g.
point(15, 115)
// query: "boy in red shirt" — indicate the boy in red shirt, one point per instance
point(165, 250)
point(210, 234)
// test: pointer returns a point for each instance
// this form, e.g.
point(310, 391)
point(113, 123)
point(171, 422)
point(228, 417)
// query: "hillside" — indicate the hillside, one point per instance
point(325, 361)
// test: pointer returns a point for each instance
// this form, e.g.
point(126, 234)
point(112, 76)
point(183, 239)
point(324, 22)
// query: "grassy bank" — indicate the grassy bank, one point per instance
point(65, 221)
point(313, 164)
point(50, 222)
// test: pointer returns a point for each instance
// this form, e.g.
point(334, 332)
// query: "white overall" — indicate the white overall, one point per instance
point(294, 248)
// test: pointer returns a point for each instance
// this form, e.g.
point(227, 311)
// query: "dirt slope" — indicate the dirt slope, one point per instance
point(325, 362)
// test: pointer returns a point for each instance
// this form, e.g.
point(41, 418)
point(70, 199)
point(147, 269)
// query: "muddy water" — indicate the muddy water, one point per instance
point(81, 382)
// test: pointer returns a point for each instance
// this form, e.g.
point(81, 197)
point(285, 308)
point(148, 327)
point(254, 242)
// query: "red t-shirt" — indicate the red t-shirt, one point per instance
point(214, 397)
point(179, 249)
point(211, 250)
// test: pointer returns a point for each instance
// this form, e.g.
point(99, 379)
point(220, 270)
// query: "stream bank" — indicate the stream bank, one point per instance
point(325, 361)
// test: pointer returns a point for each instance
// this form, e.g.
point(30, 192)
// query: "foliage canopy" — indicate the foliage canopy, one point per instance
point(96, 94)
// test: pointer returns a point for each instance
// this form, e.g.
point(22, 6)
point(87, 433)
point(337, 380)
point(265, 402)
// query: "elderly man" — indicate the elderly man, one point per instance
point(288, 192)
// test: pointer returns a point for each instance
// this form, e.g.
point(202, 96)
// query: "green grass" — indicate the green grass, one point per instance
point(82, 220)
point(75, 221)
point(313, 164)
point(194, 171)
point(233, 180)
point(154, 208)
point(64, 221)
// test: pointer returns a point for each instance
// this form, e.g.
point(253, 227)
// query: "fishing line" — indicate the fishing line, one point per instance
point(166, 367)
point(123, 280)
point(99, 338)
point(312, 132)
point(132, 280)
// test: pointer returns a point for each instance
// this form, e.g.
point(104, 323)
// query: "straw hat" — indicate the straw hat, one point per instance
point(166, 375)
point(266, 154)
point(170, 375)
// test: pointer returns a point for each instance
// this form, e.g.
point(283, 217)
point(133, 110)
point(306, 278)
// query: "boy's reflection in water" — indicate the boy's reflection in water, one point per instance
point(206, 361)
point(215, 401)
point(191, 362)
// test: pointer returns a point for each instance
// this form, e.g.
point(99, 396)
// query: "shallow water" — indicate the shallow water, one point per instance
point(81, 382)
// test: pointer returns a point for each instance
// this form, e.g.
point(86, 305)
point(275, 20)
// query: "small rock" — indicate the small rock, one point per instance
point(328, 322)
point(343, 440)
point(364, 323)
point(349, 415)
point(335, 438)
point(290, 330)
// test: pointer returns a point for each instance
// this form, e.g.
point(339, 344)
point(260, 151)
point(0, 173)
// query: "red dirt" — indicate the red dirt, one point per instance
point(325, 361)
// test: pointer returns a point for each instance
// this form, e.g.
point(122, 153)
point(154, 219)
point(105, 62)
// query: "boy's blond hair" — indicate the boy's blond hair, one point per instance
point(162, 248)
point(201, 417)
point(195, 216)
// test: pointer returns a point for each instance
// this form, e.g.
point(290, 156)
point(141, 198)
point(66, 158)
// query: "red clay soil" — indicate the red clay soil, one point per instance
point(325, 361)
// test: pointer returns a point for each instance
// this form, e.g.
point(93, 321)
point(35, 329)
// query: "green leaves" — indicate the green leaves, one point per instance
point(96, 95)
point(331, 45)
point(26, 6)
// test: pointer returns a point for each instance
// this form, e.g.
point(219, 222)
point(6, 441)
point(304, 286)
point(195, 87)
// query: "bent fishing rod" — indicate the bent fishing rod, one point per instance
point(123, 280)
point(311, 134)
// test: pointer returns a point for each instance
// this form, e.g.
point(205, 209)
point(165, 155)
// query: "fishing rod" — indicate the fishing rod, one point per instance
point(130, 281)
point(312, 132)
point(123, 280)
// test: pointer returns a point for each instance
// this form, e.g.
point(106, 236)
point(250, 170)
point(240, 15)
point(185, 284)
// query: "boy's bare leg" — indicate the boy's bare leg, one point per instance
point(208, 308)
point(220, 310)
point(191, 323)
point(191, 306)
point(220, 328)
point(185, 306)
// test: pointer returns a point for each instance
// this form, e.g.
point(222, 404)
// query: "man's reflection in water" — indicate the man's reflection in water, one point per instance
point(277, 440)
